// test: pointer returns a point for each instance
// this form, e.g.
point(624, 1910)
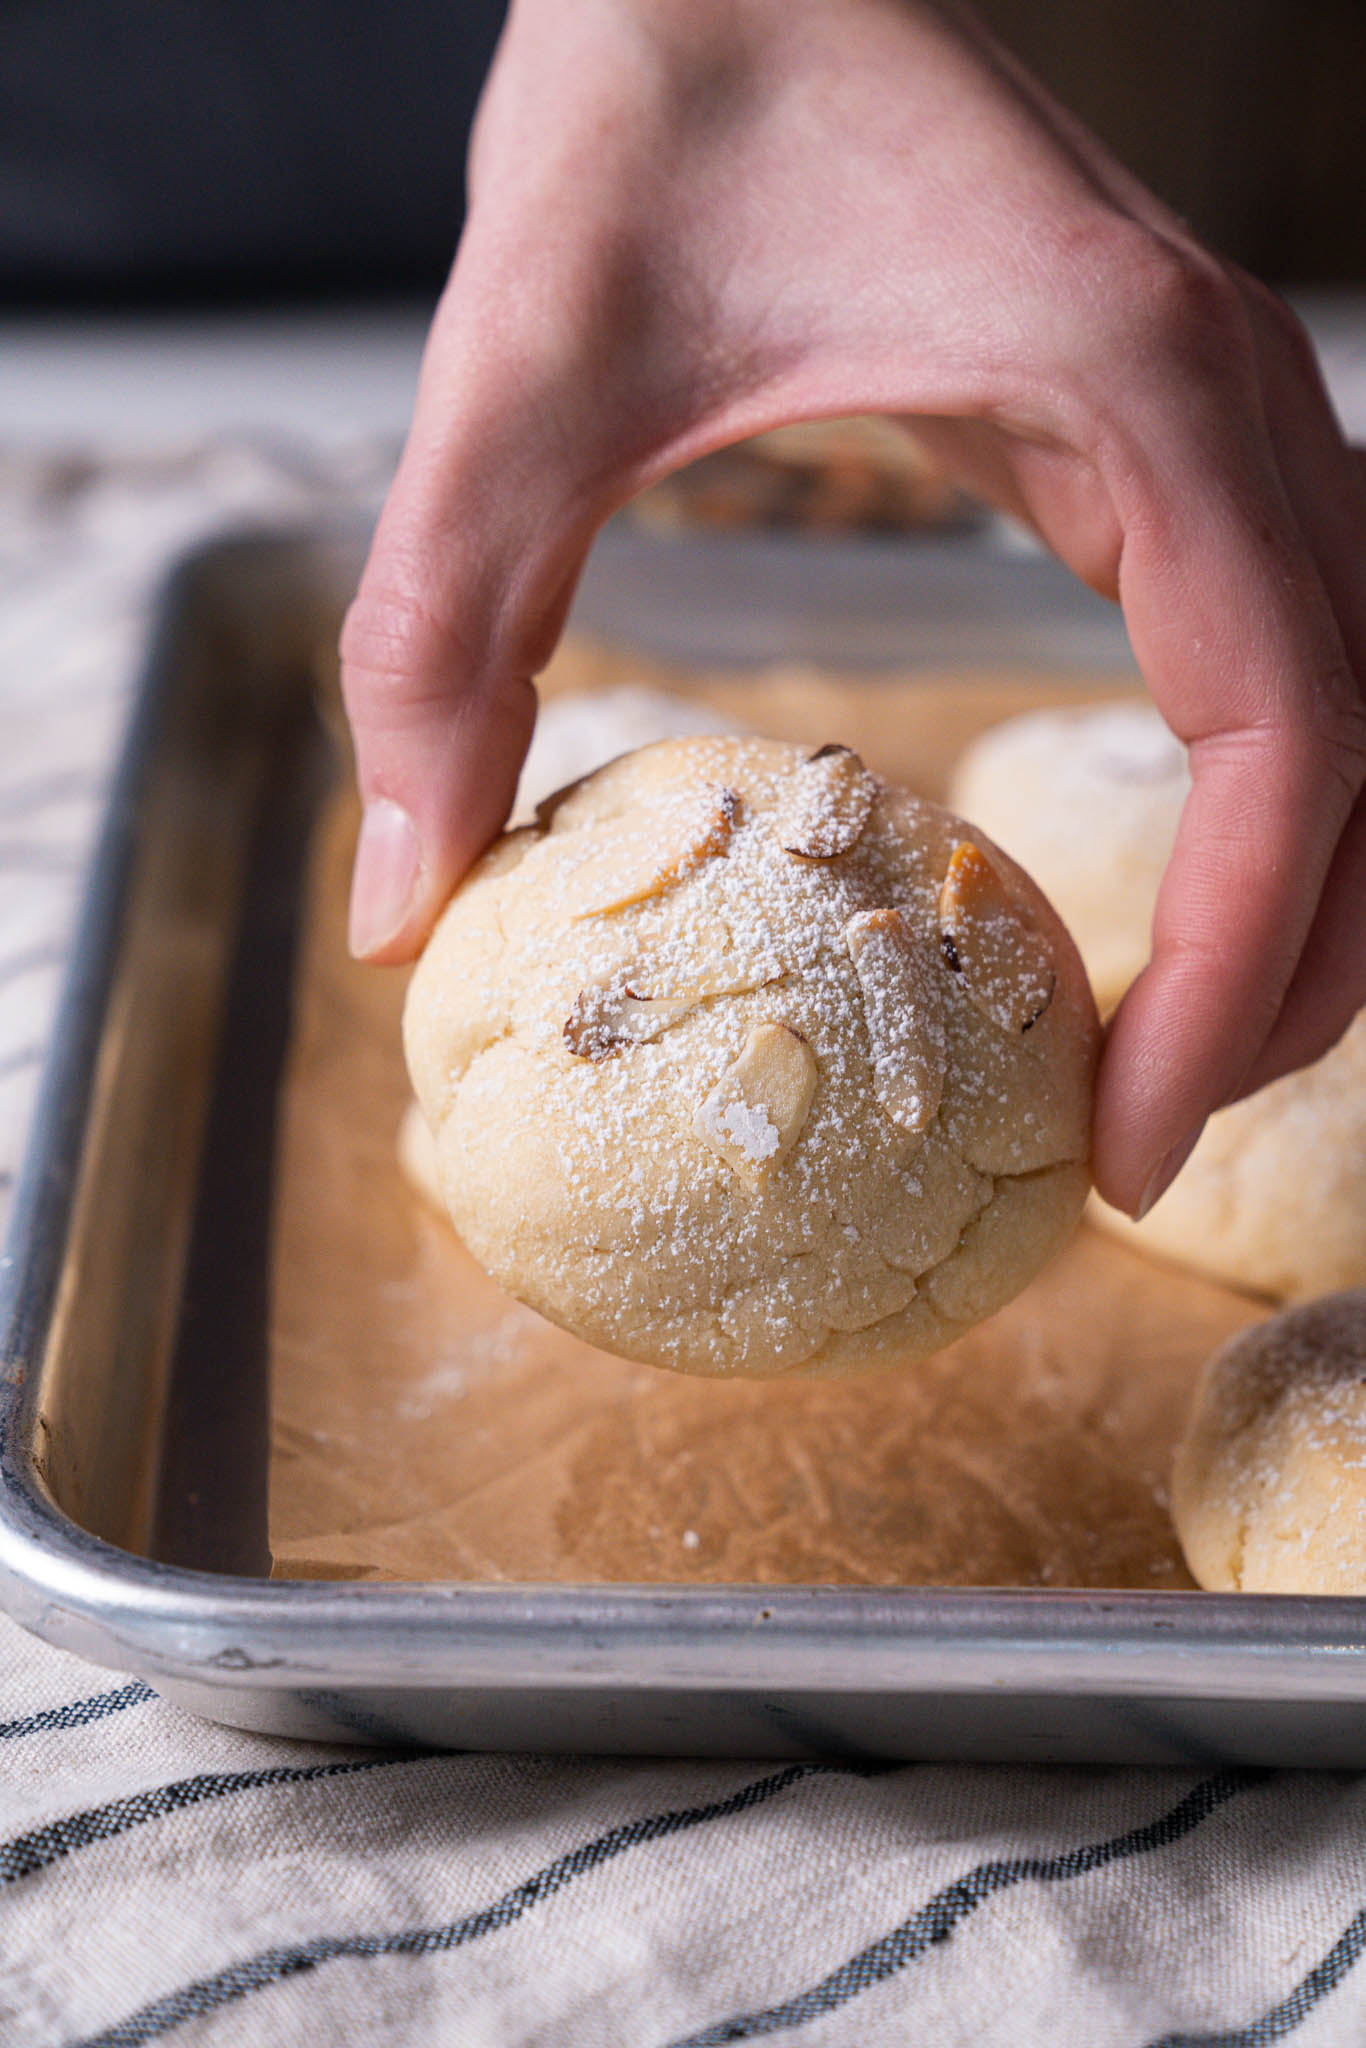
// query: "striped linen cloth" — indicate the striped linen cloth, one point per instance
point(162, 1878)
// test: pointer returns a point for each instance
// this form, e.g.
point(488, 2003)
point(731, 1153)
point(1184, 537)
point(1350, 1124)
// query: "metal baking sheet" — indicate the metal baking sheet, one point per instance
point(133, 1402)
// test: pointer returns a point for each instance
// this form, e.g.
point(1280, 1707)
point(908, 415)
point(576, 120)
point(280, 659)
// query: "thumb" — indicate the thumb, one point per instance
point(468, 580)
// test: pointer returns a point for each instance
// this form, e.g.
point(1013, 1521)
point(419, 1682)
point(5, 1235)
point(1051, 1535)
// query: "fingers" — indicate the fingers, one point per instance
point(1323, 483)
point(440, 729)
point(1258, 837)
point(561, 365)
point(1329, 985)
point(1237, 636)
point(1326, 485)
point(469, 576)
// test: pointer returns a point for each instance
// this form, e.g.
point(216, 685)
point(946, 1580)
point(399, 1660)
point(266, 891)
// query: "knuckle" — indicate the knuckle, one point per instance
point(395, 651)
point(1158, 304)
point(1189, 308)
point(1326, 740)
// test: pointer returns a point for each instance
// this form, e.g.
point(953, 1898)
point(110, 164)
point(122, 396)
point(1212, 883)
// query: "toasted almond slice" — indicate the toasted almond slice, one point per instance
point(755, 1114)
point(825, 804)
point(643, 856)
point(1004, 960)
point(605, 1019)
point(901, 1007)
point(608, 1016)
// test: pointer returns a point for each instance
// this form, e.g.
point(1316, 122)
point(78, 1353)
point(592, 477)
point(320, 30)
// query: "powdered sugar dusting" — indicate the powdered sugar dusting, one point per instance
point(753, 1228)
point(1270, 1484)
point(749, 1126)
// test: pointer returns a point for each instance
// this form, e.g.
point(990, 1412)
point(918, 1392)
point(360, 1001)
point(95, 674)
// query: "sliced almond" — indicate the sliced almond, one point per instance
point(825, 804)
point(605, 1019)
point(901, 1007)
point(756, 1112)
point(988, 939)
point(644, 855)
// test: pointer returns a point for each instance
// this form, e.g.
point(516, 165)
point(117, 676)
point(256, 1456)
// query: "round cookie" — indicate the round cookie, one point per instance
point(1269, 1484)
point(1088, 798)
point(1274, 1195)
point(745, 1062)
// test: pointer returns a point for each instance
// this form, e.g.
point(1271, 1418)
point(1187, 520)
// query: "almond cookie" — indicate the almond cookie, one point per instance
point(1270, 1478)
point(743, 1061)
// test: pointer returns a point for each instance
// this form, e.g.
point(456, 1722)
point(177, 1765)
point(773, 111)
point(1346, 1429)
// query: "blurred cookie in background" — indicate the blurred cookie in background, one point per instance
point(1269, 1481)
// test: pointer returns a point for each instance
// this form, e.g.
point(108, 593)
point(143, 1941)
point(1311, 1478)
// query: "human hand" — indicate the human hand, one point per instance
point(691, 221)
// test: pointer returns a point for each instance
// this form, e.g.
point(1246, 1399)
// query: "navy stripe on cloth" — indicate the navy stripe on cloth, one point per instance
point(240, 1980)
point(78, 1713)
point(1283, 2019)
point(30, 1853)
point(935, 1922)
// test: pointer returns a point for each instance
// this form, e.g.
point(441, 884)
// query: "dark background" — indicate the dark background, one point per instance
point(219, 150)
point(1247, 116)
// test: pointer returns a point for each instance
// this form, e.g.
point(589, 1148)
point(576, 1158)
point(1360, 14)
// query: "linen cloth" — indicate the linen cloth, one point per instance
point(162, 1878)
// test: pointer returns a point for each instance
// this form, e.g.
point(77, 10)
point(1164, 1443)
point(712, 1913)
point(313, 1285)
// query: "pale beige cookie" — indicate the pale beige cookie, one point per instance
point(743, 1061)
point(1274, 1196)
point(1269, 1484)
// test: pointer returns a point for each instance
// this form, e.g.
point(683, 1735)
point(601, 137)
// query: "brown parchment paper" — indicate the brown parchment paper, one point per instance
point(424, 1426)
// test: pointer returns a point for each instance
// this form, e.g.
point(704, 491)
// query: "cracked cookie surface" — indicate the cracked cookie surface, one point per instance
point(745, 1110)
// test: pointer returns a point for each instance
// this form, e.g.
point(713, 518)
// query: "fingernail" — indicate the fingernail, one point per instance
point(388, 860)
point(1166, 1173)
